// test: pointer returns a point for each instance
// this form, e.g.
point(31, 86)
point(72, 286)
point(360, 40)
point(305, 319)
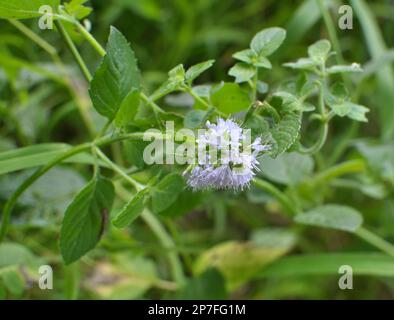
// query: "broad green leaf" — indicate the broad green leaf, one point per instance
point(268, 41)
point(116, 76)
point(209, 285)
point(240, 261)
point(285, 133)
point(24, 9)
point(194, 71)
point(355, 67)
point(230, 98)
point(13, 280)
point(319, 51)
point(37, 155)
point(84, 220)
point(194, 119)
point(283, 168)
point(131, 210)
point(14, 254)
point(128, 109)
point(332, 216)
point(242, 72)
point(166, 192)
point(369, 264)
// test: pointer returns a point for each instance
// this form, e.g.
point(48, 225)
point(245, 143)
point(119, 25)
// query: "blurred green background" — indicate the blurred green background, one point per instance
point(36, 107)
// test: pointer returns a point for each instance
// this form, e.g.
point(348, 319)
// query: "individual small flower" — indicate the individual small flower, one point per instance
point(227, 157)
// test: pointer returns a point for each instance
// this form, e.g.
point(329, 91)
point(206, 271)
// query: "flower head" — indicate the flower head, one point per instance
point(227, 157)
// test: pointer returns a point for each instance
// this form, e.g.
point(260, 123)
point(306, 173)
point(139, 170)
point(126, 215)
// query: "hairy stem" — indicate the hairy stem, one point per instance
point(376, 241)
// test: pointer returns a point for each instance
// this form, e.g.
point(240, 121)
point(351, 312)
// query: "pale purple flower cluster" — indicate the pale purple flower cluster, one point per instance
point(231, 161)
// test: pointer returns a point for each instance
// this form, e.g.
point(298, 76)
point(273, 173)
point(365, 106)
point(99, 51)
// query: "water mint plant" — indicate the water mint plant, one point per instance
point(263, 172)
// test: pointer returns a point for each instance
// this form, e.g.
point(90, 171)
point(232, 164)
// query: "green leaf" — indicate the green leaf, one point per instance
point(194, 71)
point(177, 74)
point(24, 9)
point(357, 112)
point(303, 64)
point(268, 41)
point(131, 210)
point(242, 72)
point(166, 192)
point(248, 56)
point(283, 170)
point(319, 51)
point(355, 67)
point(209, 285)
point(128, 109)
point(262, 62)
point(83, 222)
point(369, 264)
point(14, 254)
point(13, 280)
point(77, 9)
point(341, 110)
point(332, 216)
point(116, 76)
point(285, 133)
point(194, 119)
point(240, 261)
point(230, 98)
point(37, 155)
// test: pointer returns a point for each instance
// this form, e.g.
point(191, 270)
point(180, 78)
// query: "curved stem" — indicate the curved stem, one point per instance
point(90, 39)
point(319, 143)
point(73, 50)
point(352, 166)
point(165, 239)
point(376, 241)
point(279, 195)
point(41, 171)
point(138, 186)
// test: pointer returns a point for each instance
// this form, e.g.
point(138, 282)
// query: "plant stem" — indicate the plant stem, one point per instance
point(165, 239)
point(279, 195)
point(119, 170)
point(86, 34)
point(150, 102)
point(51, 50)
point(324, 128)
point(73, 49)
point(352, 166)
point(375, 240)
point(67, 154)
